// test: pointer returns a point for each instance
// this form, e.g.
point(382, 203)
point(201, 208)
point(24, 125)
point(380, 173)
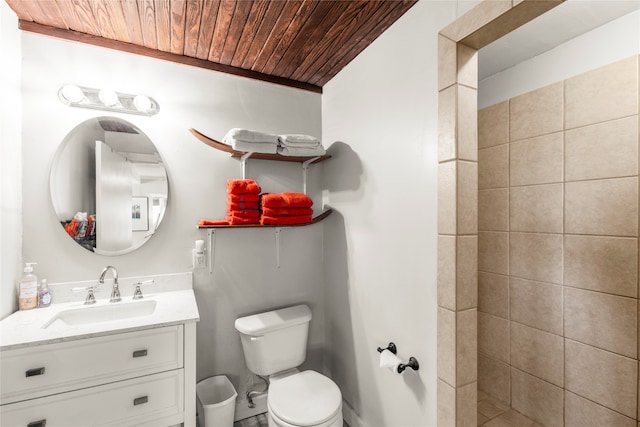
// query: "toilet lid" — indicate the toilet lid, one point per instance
point(304, 399)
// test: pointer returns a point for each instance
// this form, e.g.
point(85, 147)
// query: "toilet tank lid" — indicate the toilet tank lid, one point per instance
point(261, 323)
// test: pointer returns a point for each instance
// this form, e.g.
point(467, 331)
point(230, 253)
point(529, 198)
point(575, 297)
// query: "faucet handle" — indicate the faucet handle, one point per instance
point(91, 298)
point(137, 294)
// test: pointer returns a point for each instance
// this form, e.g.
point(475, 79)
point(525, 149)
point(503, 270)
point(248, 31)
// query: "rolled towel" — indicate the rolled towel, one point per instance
point(243, 198)
point(247, 135)
point(297, 140)
point(253, 147)
point(242, 186)
point(285, 220)
point(286, 211)
point(241, 206)
point(302, 151)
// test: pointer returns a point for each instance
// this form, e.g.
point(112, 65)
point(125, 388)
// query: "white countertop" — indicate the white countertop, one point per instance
point(25, 328)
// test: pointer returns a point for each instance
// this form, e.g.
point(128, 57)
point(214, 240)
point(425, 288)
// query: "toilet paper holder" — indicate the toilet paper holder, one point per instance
point(413, 362)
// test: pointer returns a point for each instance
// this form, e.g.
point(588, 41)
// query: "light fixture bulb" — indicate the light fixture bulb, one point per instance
point(142, 103)
point(108, 97)
point(72, 93)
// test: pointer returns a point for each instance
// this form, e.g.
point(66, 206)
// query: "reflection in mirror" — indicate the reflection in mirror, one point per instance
point(109, 186)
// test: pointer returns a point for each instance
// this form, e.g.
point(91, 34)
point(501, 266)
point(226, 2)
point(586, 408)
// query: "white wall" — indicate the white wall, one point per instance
point(245, 277)
point(10, 160)
point(611, 42)
point(380, 115)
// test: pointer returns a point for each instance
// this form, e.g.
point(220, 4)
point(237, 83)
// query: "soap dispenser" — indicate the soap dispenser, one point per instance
point(28, 289)
point(44, 294)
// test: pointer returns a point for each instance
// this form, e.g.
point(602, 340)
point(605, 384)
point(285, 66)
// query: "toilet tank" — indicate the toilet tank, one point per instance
point(276, 340)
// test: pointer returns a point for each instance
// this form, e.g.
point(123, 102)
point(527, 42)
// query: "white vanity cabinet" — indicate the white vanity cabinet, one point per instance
point(143, 377)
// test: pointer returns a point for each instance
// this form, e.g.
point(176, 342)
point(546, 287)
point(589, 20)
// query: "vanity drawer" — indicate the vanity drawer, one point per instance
point(147, 400)
point(42, 370)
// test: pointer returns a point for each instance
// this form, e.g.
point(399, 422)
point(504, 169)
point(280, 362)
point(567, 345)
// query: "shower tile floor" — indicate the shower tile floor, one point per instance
point(494, 413)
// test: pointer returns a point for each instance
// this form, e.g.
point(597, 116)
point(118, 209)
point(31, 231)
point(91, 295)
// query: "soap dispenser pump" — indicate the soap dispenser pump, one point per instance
point(28, 288)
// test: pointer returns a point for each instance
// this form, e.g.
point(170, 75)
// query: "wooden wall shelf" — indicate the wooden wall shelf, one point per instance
point(318, 218)
point(262, 156)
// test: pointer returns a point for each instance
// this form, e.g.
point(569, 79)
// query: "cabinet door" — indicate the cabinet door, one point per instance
point(54, 368)
point(152, 400)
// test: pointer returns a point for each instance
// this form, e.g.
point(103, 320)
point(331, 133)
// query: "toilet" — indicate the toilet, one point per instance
point(274, 345)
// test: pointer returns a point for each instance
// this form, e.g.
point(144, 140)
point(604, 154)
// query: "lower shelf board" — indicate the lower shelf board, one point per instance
point(316, 219)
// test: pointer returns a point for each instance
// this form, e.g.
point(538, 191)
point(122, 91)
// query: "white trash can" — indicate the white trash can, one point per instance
point(216, 398)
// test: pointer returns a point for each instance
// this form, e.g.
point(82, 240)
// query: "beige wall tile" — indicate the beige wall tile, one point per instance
point(607, 93)
point(536, 304)
point(447, 346)
point(493, 252)
point(536, 160)
point(605, 264)
point(493, 167)
point(536, 113)
point(467, 66)
point(537, 399)
point(537, 353)
point(466, 347)
point(605, 321)
point(493, 210)
point(536, 208)
point(604, 150)
point(467, 272)
point(447, 62)
point(447, 114)
point(447, 193)
point(606, 207)
point(536, 256)
point(493, 336)
point(602, 377)
point(447, 272)
point(493, 125)
point(494, 378)
point(580, 412)
point(493, 294)
point(480, 16)
point(467, 123)
point(446, 403)
point(467, 197)
point(466, 405)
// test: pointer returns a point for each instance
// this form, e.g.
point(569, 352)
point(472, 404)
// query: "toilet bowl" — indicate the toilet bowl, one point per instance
point(274, 344)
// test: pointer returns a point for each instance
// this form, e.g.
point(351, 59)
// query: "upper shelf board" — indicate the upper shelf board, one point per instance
point(316, 219)
point(262, 156)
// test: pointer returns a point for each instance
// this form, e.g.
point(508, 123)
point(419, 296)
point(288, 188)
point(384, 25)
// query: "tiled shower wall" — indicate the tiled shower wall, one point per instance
point(558, 250)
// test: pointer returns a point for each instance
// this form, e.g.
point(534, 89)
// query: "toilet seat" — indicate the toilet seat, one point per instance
point(305, 399)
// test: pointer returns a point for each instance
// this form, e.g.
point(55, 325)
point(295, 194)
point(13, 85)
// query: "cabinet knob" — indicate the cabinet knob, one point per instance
point(40, 423)
point(34, 372)
point(140, 400)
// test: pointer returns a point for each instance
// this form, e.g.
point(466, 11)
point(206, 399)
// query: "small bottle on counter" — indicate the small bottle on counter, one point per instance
point(28, 289)
point(44, 294)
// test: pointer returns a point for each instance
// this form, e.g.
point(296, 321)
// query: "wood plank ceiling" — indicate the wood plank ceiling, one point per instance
point(299, 43)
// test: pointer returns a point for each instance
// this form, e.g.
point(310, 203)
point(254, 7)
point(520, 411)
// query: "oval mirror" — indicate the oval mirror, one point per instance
point(109, 186)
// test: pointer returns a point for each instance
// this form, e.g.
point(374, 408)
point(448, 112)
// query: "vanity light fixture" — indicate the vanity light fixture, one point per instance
point(105, 99)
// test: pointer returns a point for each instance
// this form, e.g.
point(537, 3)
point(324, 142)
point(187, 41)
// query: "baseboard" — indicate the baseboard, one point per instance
point(242, 407)
point(350, 416)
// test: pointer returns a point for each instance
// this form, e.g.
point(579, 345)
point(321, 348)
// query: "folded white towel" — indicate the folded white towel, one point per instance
point(301, 151)
point(297, 140)
point(254, 147)
point(247, 135)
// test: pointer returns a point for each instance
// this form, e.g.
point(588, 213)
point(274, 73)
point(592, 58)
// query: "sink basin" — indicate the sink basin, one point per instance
point(103, 313)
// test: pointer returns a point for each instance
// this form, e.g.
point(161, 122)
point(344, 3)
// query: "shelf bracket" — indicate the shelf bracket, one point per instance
point(211, 235)
point(305, 166)
point(243, 160)
point(278, 231)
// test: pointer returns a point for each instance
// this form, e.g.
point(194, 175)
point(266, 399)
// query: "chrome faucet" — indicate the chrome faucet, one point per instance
point(115, 292)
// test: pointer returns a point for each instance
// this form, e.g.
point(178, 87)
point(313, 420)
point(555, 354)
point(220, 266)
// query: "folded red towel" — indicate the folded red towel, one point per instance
point(243, 186)
point(246, 213)
point(287, 199)
point(212, 222)
point(285, 220)
point(286, 211)
point(241, 206)
point(243, 198)
point(241, 220)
